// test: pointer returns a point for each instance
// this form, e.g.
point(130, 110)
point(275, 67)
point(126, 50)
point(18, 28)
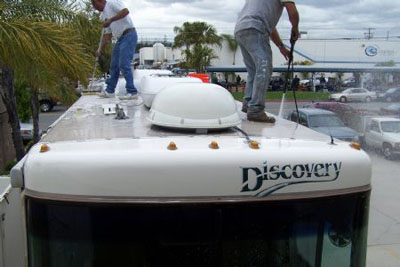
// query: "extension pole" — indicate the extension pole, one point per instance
point(292, 43)
point(97, 60)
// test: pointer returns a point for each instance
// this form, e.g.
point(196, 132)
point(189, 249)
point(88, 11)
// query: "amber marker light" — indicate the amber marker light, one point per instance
point(254, 145)
point(172, 146)
point(44, 148)
point(355, 145)
point(214, 145)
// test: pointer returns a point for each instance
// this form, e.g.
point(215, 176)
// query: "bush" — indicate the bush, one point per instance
point(23, 97)
point(8, 167)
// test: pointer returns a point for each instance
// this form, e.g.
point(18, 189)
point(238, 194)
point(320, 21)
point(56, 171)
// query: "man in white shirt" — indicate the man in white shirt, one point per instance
point(118, 23)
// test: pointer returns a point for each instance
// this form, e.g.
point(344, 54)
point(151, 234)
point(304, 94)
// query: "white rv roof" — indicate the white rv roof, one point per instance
point(85, 121)
point(94, 157)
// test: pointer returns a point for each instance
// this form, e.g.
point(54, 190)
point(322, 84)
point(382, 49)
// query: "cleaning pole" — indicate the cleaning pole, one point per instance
point(288, 74)
point(97, 60)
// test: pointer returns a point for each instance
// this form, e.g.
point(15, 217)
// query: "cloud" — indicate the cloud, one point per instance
point(321, 19)
point(167, 2)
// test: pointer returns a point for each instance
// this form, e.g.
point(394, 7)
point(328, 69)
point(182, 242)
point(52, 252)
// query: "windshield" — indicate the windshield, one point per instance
point(392, 90)
point(347, 91)
point(391, 126)
point(319, 232)
point(325, 121)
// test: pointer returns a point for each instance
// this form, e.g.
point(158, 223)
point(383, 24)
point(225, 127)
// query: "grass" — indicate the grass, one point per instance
point(289, 96)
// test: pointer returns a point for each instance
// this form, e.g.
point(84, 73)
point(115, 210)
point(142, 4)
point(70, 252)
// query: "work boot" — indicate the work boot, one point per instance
point(260, 117)
point(244, 106)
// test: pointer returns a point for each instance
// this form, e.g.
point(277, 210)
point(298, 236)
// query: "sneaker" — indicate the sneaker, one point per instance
point(260, 117)
point(105, 94)
point(129, 96)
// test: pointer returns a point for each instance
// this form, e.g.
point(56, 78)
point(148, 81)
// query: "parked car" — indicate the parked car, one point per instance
point(349, 82)
point(350, 116)
point(325, 122)
point(354, 94)
point(344, 111)
point(393, 109)
point(46, 103)
point(27, 131)
point(384, 134)
point(276, 83)
point(306, 84)
point(392, 94)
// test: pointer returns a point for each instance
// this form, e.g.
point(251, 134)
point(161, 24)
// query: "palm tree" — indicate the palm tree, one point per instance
point(195, 37)
point(232, 44)
point(39, 47)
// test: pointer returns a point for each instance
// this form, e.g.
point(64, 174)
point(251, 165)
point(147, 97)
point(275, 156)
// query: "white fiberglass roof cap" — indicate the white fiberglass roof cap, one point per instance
point(194, 106)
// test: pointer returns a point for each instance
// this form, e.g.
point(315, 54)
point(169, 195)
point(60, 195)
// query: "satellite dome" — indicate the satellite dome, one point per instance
point(152, 85)
point(194, 106)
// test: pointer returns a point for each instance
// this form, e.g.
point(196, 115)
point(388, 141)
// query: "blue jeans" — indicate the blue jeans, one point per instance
point(257, 57)
point(121, 59)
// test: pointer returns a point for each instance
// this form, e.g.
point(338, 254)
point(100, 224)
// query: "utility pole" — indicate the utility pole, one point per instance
point(370, 34)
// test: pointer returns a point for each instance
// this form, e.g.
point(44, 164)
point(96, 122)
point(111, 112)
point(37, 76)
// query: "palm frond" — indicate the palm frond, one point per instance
point(40, 10)
point(25, 45)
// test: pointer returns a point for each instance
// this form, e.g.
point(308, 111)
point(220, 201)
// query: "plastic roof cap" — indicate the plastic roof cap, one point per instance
point(194, 106)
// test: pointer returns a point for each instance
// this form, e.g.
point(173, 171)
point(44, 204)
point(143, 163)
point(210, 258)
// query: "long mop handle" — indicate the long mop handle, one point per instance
point(280, 114)
point(97, 58)
point(288, 73)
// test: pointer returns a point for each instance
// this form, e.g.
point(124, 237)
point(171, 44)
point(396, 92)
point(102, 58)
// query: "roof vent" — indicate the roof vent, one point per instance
point(194, 106)
point(152, 85)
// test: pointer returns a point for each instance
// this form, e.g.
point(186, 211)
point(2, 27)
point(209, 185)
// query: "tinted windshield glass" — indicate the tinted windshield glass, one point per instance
point(319, 232)
point(325, 121)
point(391, 126)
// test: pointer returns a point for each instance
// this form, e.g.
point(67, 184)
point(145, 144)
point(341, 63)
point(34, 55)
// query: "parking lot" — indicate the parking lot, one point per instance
point(384, 222)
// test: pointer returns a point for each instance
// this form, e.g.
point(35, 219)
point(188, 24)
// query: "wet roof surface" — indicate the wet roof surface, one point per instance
point(85, 121)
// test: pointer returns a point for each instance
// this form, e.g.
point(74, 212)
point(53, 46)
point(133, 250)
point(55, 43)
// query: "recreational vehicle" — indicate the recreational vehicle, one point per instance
point(187, 182)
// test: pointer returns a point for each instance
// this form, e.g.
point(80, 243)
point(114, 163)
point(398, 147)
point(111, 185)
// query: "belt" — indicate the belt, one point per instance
point(126, 31)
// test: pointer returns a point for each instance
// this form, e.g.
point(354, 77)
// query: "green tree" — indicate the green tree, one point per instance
point(304, 75)
point(195, 38)
point(23, 97)
point(40, 48)
point(232, 44)
point(88, 25)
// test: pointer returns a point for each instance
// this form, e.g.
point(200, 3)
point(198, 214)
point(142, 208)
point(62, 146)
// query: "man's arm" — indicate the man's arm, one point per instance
point(294, 19)
point(278, 42)
point(106, 39)
point(120, 15)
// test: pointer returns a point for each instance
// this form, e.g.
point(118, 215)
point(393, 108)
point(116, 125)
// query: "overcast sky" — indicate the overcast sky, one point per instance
point(320, 18)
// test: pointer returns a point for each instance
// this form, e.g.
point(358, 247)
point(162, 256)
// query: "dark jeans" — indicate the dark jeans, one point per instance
point(121, 59)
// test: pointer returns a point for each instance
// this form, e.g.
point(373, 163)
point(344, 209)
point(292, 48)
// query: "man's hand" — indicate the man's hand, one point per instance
point(107, 23)
point(295, 34)
point(284, 52)
point(98, 53)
